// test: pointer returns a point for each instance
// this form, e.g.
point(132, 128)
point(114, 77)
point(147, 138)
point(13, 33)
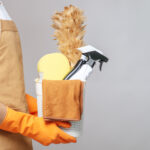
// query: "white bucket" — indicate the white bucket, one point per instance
point(76, 128)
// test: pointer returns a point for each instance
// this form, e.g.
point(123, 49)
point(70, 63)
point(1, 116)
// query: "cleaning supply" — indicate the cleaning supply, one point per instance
point(62, 99)
point(35, 128)
point(81, 71)
point(83, 68)
point(69, 32)
point(75, 130)
point(48, 64)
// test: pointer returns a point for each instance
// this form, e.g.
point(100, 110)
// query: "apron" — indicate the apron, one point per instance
point(12, 89)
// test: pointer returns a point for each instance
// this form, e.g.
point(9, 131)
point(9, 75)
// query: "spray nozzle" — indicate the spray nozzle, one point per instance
point(93, 55)
point(96, 56)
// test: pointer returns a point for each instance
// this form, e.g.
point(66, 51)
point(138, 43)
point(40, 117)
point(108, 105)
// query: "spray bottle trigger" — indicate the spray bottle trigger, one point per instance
point(101, 64)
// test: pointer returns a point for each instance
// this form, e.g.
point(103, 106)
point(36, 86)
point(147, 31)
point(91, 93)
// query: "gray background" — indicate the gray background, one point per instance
point(117, 99)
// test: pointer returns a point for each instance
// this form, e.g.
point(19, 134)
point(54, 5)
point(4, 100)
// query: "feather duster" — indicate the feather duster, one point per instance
point(69, 32)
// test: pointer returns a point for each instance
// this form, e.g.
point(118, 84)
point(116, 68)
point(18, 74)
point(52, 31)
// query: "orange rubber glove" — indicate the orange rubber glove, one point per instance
point(36, 128)
point(32, 104)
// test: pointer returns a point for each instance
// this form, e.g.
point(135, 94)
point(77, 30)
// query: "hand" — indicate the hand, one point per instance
point(53, 134)
point(36, 128)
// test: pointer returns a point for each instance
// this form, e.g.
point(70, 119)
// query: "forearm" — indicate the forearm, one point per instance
point(3, 110)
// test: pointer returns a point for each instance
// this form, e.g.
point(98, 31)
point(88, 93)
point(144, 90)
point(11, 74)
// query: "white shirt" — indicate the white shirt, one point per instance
point(3, 12)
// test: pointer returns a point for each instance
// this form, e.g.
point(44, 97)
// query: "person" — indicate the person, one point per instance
point(17, 126)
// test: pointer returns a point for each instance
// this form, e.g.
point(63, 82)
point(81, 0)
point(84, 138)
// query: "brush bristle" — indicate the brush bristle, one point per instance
point(69, 32)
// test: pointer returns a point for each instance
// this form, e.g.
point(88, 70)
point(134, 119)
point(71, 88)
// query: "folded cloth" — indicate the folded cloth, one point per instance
point(62, 99)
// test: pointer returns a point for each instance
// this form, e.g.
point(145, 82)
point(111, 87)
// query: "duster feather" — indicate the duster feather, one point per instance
point(69, 32)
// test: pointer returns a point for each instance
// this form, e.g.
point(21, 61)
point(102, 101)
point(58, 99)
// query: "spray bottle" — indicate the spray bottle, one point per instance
point(81, 71)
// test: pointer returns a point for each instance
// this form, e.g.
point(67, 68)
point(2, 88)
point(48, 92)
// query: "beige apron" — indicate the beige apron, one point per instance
point(12, 90)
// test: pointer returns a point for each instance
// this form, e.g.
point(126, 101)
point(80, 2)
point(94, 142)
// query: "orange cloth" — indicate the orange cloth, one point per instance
point(32, 104)
point(62, 99)
point(36, 128)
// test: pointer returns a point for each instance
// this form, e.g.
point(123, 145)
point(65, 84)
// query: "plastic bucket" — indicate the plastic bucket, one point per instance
point(76, 128)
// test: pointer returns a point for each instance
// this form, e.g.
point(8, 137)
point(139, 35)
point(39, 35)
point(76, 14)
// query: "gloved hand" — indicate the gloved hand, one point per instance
point(36, 128)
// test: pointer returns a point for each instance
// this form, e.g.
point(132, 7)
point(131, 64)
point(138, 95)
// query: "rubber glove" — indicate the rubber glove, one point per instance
point(36, 128)
point(32, 104)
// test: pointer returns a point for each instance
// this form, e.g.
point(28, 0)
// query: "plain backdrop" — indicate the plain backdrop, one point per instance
point(117, 100)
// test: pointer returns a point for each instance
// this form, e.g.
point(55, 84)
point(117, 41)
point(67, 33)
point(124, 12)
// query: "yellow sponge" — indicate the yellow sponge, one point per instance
point(54, 66)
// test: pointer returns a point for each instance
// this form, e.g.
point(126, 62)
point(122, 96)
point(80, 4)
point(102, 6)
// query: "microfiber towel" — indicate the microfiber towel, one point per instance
point(62, 99)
